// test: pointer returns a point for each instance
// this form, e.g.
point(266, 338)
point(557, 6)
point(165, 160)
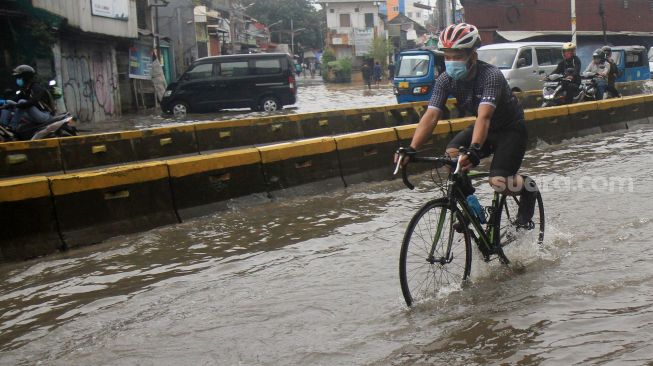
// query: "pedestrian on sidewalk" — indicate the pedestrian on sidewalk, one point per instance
point(367, 74)
point(378, 72)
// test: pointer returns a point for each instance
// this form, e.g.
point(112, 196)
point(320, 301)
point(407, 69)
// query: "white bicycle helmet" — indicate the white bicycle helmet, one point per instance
point(461, 36)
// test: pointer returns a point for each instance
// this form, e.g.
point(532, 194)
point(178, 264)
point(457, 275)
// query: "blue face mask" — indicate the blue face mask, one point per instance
point(20, 82)
point(456, 69)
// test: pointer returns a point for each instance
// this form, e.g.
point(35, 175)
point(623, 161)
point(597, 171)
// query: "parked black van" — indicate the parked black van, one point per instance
point(261, 81)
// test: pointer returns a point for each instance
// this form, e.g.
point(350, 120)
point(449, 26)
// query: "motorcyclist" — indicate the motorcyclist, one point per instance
point(33, 101)
point(614, 72)
point(601, 69)
point(570, 67)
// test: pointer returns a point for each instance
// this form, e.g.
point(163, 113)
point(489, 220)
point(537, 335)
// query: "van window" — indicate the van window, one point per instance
point(413, 65)
point(199, 72)
point(556, 55)
point(267, 67)
point(502, 59)
point(234, 68)
point(544, 57)
point(527, 55)
point(634, 59)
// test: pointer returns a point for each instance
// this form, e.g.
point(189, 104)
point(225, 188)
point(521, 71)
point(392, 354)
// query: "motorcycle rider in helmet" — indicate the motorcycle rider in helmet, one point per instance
point(570, 62)
point(32, 102)
point(601, 68)
point(614, 72)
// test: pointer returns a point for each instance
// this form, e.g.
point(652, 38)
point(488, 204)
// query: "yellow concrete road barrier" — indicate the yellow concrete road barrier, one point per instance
point(224, 134)
point(199, 183)
point(30, 228)
point(366, 154)
point(30, 157)
point(166, 142)
point(93, 206)
point(92, 151)
point(292, 164)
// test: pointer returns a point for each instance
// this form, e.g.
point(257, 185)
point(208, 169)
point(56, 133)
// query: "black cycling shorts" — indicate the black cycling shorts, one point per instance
point(507, 144)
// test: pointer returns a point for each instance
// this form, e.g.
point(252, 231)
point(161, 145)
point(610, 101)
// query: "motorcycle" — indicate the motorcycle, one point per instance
point(56, 126)
point(589, 86)
point(554, 91)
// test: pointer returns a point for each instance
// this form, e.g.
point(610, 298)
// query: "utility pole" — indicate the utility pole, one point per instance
point(573, 22)
point(603, 25)
point(292, 39)
point(453, 11)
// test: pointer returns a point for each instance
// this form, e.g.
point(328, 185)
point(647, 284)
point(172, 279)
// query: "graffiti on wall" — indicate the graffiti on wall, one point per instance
point(89, 84)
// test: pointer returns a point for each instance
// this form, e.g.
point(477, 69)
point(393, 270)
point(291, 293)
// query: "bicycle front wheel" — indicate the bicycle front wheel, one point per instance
point(433, 254)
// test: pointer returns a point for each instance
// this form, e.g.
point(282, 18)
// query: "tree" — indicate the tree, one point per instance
point(303, 15)
point(380, 50)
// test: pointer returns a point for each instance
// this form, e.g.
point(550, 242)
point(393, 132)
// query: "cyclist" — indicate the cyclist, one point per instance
point(481, 89)
point(570, 67)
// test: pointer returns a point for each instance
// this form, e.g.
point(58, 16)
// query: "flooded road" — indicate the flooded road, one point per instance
point(313, 95)
point(314, 281)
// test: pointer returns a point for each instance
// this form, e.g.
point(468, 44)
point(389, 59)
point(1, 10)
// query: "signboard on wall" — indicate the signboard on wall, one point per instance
point(114, 9)
point(140, 61)
point(363, 40)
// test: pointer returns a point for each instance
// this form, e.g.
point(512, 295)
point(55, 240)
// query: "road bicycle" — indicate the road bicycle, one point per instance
point(436, 251)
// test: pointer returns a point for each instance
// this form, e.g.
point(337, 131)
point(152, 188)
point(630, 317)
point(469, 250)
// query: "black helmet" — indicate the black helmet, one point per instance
point(599, 53)
point(24, 70)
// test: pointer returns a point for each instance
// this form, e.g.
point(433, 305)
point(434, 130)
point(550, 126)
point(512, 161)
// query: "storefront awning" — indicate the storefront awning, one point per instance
point(514, 36)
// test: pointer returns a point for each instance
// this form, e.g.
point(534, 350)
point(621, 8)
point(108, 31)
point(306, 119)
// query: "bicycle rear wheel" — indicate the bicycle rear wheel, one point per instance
point(433, 254)
point(508, 227)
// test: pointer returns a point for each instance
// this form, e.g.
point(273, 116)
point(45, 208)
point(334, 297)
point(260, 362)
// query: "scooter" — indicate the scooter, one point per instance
point(589, 87)
point(554, 91)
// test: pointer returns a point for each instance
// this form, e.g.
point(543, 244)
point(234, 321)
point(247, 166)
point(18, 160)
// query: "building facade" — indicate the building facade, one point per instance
point(626, 21)
point(352, 26)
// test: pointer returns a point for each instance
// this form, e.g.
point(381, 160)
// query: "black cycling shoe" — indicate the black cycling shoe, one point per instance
point(526, 210)
point(459, 226)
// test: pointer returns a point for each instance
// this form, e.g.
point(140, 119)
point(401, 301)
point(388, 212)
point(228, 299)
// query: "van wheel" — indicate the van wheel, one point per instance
point(179, 109)
point(270, 104)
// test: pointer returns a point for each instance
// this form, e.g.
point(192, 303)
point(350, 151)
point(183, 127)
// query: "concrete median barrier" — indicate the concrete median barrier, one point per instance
point(29, 227)
point(30, 157)
point(584, 120)
point(201, 184)
point(636, 108)
point(366, 156)
point(366, 119)
point(319, 124)
point(610, 112)
point(81, 152)
point(276, 129)
point(224, 134)
point(166, 142)
point(402, 114)
point(435, 146)
point(93, 206)
point(298, 163)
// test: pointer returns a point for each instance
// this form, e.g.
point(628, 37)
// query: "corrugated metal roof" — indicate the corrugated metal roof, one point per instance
point(514, 36)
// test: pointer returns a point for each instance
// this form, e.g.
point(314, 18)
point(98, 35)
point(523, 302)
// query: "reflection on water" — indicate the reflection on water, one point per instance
point(314, 280)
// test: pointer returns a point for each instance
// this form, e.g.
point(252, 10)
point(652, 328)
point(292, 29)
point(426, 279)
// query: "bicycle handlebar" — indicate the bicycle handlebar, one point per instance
point(453, 163)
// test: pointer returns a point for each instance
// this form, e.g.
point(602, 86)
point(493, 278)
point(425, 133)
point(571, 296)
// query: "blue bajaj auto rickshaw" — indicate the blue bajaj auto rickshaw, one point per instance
point(632, 62)
point(416, 73)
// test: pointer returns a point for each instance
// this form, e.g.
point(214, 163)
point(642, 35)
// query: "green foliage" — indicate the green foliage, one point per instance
point(328, 55)
point(341, 70)
point(380, 50)
point(303, 14)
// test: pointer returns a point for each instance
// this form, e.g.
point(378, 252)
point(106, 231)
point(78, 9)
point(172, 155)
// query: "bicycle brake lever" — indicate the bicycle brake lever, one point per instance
point(401, 157)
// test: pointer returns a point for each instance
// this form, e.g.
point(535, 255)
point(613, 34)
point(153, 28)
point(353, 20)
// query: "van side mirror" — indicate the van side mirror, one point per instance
point(521, 62)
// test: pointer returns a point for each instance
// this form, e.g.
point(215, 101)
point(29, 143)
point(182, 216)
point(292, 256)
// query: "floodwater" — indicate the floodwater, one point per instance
point(313, 95)
point(314, 281)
